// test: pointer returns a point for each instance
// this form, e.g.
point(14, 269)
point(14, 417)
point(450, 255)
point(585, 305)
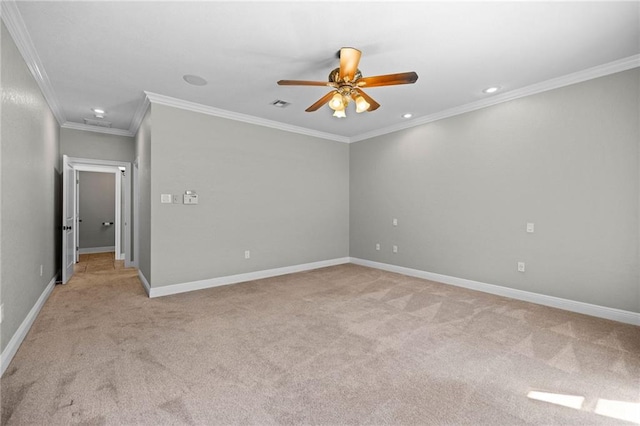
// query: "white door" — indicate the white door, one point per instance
point(68, 219)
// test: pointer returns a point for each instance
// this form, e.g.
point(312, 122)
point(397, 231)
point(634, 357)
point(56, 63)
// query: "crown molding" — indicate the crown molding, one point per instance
point(96, 129)
point(12, 18)
point(15, 24)
point(554, 83)
point(138, 116)
point(245, 118)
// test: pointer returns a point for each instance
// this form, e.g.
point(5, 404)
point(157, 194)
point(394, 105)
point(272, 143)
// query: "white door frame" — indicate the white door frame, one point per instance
point(122, 183)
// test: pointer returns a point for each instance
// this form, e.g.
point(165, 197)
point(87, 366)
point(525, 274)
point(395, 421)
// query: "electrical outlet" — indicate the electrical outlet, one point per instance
point(378, 246)
point(395, 249)
point(395, 222)
point(247, 254)
point(41, 270)
point(520, 266)
point(530, 228)
point(165, 198)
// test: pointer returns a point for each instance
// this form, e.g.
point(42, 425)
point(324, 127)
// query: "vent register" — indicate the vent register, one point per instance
point(97, 122)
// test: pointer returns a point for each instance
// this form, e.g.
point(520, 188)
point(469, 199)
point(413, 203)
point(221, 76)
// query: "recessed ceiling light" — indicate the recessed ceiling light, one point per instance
point(491, 89)
point(407, 115)
point(98, 111)
point(194, 80)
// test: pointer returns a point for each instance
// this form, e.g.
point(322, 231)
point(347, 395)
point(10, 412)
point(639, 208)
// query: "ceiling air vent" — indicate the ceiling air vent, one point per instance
point(99, 123)
point(280, 103)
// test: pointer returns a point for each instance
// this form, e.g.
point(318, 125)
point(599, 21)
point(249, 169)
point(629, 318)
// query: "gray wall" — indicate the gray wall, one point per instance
point(283, 196)
point(96, 146)
point(97, 199)
point(30, 190)
point(143, 159)
point(464, 188)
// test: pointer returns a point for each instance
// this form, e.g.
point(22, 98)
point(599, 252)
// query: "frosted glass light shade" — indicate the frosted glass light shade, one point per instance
point(361, 104)
point(336, 103)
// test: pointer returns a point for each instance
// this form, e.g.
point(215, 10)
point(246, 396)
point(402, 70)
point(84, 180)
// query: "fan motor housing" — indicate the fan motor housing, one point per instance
point(334, 76)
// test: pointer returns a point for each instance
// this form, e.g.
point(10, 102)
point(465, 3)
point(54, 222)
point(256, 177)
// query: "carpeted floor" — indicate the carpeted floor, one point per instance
point(339, 345)
point(95, 262)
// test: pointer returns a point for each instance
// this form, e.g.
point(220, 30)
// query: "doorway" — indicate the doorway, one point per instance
point(99, 228)
point(72, 214)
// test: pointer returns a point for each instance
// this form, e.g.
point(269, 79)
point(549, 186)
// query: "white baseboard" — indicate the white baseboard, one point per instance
point(234, 279)
point(89, 250)
point(145, 283)
point(541, 299)
point(15, 342)
point(121, 256)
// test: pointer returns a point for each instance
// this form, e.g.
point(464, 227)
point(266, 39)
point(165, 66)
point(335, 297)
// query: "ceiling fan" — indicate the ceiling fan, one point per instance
point(347, 82)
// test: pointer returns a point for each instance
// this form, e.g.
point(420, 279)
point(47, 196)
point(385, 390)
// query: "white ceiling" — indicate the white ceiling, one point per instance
point(107, 54)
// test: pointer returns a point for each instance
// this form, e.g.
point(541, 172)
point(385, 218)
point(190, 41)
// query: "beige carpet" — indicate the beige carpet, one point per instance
point(340, 345)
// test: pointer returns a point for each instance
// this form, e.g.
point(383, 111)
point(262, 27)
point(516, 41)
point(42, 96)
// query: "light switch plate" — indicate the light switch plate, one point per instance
point(165, 198)
point(530, 227)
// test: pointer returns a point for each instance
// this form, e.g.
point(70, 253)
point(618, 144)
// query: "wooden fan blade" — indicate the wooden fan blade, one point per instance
point(302, 83)
point(373, 104)
point(388, 79)
point(349, 60)
point(323, 100)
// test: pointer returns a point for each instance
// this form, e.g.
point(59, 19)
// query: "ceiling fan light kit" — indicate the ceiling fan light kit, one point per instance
point(338, 102)
point(347, 83)
point(361, 104)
